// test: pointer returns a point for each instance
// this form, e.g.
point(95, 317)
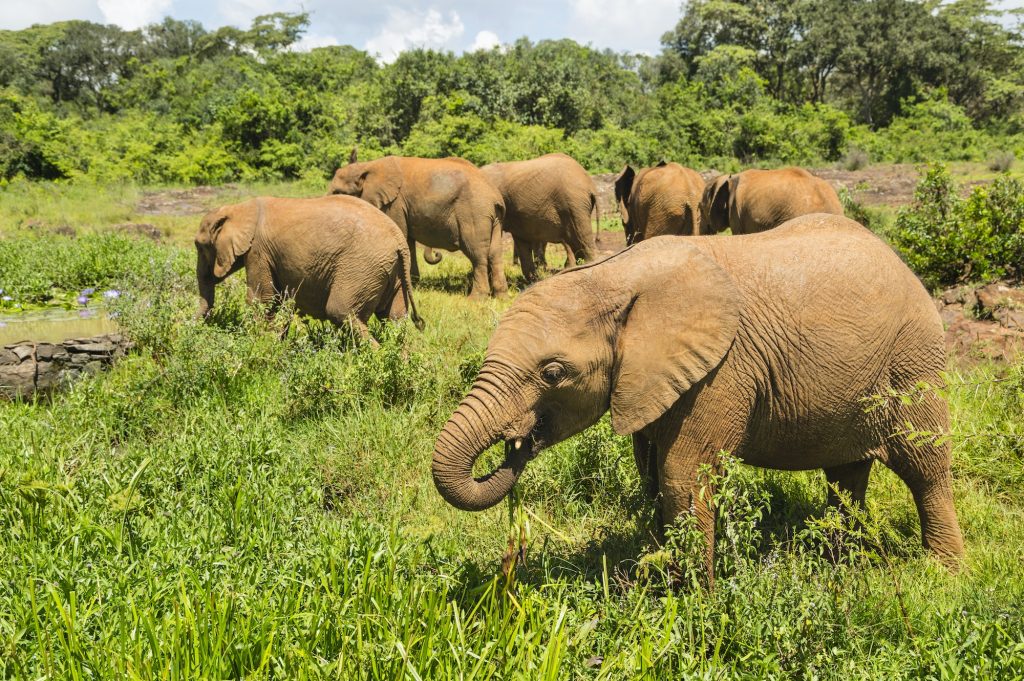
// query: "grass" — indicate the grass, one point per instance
point(224, 503)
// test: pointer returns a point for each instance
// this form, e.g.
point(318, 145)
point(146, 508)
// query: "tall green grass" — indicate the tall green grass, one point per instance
point(226, 503)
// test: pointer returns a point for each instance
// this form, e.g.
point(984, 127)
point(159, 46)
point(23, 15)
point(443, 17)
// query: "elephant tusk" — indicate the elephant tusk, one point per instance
point(519, 443)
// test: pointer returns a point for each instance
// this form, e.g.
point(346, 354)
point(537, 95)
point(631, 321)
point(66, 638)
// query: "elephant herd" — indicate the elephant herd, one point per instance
point(766, 344)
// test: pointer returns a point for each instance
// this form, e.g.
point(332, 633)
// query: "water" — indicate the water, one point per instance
point(54, 326)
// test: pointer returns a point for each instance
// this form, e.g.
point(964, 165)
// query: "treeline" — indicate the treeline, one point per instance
point(754, 81)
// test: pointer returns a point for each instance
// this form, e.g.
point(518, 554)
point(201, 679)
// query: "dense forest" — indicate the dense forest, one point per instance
point(741, 82)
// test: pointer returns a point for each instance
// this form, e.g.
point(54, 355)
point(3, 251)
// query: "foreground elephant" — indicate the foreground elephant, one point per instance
point(755, 200)
point(317, 250)
point(547, 200)
point(766, 346)
point(658, 201)
point(442, 203)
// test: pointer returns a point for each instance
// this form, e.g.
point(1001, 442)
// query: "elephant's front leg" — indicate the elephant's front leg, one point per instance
point(685, 491)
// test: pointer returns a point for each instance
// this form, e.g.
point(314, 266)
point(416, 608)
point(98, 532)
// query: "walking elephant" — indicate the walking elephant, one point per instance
point(547, 200)
point(341, 258)
point(755, 200)
point(767, 346)
point(657, 201)
point(442, 203)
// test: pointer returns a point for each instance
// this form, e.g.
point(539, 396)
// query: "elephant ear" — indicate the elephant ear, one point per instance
point(682, 320)
point(381, 182)
point(233, 233)
point(623, 188)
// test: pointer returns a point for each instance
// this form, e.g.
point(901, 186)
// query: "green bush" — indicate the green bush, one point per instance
point(949, 240)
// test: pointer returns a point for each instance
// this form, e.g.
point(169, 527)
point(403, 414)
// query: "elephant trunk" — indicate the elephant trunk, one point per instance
point(470, 431)
point(206, 288)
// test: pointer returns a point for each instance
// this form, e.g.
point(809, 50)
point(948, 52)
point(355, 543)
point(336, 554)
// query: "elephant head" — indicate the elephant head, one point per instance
point(376, 182)
point(225, 236)
point(631, 333)
point(623, 190)
point(715, 204)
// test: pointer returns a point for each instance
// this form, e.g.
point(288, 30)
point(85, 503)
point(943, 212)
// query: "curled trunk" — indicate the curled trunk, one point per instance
point(470, 431)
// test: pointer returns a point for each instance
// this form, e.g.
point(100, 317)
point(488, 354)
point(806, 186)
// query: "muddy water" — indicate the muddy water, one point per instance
point(54, 326)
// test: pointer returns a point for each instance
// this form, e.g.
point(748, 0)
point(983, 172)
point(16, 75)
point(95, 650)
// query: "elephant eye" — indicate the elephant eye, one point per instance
point(553, 372)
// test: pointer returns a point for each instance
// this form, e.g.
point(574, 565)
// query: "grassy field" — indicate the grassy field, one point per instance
point(227, 504)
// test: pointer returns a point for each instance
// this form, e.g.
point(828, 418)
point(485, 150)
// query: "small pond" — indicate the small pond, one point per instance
point(53, 326)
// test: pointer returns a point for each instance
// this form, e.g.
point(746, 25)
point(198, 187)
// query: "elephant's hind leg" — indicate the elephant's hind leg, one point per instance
point(851, 479)
point(924, 465)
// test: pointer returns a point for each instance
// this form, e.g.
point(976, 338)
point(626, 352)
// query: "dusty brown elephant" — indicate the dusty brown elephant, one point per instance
point(766, 346)
point(314, 249)
point(547, 200)
point(658, 201)
point(441, 203)
point(755, 200)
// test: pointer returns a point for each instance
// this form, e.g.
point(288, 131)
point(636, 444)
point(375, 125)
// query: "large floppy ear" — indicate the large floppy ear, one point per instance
point(681, 322)
point(233, 233)
point(623, 188)
point(381, 181)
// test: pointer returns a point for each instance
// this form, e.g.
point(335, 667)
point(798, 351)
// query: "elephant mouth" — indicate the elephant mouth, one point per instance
point(522, 449)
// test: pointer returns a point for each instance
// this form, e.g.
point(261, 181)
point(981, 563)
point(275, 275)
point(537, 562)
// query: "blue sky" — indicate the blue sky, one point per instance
point(386, 27)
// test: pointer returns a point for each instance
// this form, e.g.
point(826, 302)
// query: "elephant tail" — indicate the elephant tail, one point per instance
point(405, 262)
point(596, 207)
point(431, 256)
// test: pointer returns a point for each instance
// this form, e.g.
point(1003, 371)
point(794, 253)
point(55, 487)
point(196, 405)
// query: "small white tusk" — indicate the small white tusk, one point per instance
point(519, 442)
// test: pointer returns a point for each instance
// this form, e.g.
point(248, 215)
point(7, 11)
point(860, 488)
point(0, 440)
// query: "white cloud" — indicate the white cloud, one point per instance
point(18, 15)
point(132, 14)
point(636, 26)
point(242, 12)
point(405, 29)
point(311, 41)
point(485, 40)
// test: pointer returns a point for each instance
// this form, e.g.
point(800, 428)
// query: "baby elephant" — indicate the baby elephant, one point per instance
point(341, 258)
point(798, 348)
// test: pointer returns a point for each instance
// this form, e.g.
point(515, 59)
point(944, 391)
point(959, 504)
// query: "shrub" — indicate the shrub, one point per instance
point(1001, 161)
point(855, 159)
point(949, 240)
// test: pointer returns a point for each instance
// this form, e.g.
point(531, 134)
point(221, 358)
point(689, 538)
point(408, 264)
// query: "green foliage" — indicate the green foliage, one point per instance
point(949, 240)
point(228, 503)
point(770, 83)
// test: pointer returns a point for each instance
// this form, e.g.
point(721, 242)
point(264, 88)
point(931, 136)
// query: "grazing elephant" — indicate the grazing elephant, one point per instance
point(755, 200)
point(442, 203)
point(769, 346)
point(657, 201)
point(547, 200)
point(314, 249)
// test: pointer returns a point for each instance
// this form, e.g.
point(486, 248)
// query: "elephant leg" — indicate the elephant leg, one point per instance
point(478, 279)
point(684, 492)
point(852, 479)
point(525, 253)
point(496, 262)
point(540, 257)
point(579, 234)
point(924, 466)
point(414, 265)
point(647, 463)
point(570, 257)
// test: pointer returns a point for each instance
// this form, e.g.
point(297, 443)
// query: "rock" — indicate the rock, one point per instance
point(45, 351)
point(24, 351)
point(8, 357)
point(952, 296)
point(992, 298)
point(18, 380)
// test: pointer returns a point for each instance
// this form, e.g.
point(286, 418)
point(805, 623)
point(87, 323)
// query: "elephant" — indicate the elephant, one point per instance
point(315, 249)
point(755, 200)
point(657, 201)
point(442, 203)
point(772, 346)
point(547, 200)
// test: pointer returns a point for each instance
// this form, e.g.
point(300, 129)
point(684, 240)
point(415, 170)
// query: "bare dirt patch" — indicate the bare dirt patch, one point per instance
point(180, 202)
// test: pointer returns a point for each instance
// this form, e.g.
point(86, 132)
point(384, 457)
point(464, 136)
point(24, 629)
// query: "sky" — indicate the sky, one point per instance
point(387, 27)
